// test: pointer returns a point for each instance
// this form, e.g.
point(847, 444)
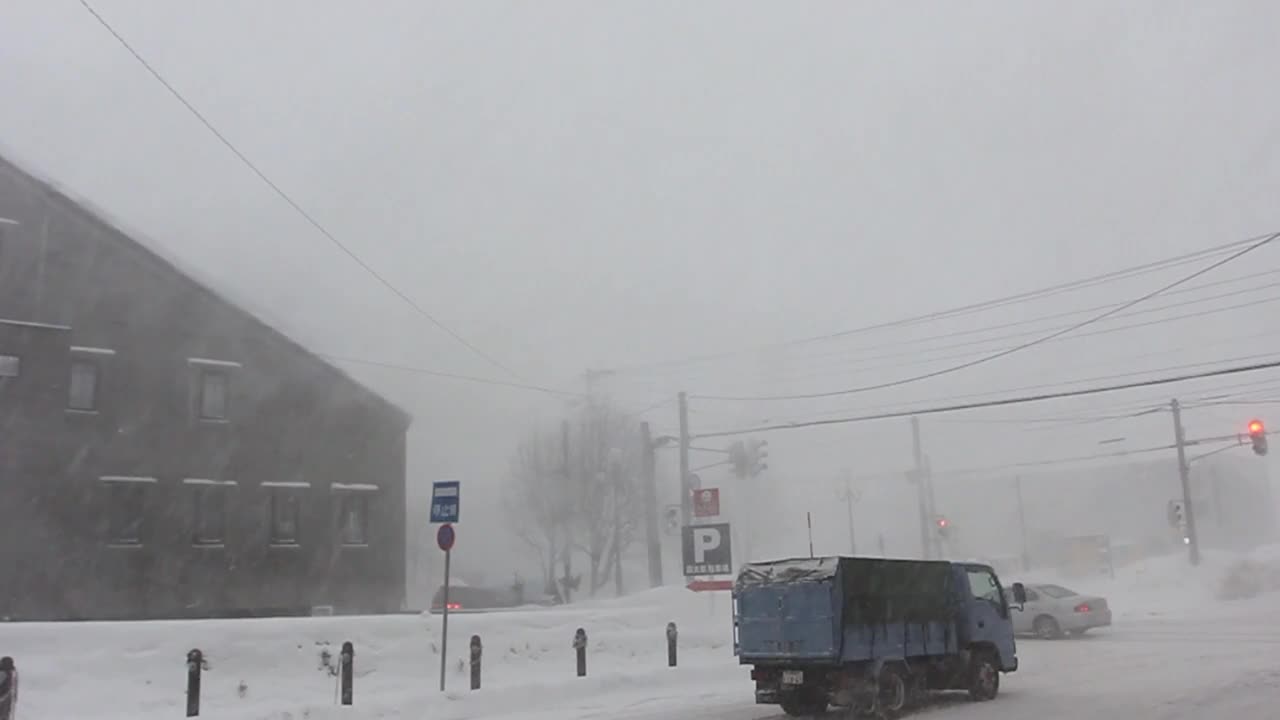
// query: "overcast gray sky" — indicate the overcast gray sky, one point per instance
point(587, 184)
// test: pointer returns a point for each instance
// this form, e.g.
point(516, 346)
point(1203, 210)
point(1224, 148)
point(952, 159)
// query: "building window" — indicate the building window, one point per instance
point(213, 395)
point(284, 518)
point(125, 514)
point(10, 365)
point(83, 391)
point(210, 514)
point(355, 519)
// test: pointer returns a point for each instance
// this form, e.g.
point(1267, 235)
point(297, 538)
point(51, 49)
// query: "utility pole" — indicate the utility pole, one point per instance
point(615, 475)
point(1184, 474)
point(918, 475)
point(686, 493)
point(1022, 524)
point(648, 466)
point(848, 500)
point(567, 581)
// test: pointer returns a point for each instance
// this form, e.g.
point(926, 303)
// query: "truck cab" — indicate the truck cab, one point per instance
point(871, 634)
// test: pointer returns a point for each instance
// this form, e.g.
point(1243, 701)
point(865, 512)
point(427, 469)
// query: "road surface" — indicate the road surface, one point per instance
point(1215, 666)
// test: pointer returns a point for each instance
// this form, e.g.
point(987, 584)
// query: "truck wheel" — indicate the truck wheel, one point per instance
point(984, 677)
point(1046, 628)
point(891, 692)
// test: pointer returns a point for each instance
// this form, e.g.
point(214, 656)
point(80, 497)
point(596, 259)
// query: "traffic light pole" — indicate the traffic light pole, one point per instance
point(1184, 474)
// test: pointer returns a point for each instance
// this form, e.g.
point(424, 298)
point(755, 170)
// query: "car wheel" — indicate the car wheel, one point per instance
point(984, 677)
point(1046, 628)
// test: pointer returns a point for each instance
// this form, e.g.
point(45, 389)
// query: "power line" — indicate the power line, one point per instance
point(1031, 321)
point(289, 200)
point(1002, 402)
point(453, 376)
point(1067, 338)
point(858, 365)
point(1054, 461)
point(1094, 379)
point(969, 309)
point(1017, 348)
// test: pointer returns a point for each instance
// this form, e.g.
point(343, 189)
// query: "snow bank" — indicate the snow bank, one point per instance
point(1168, 586)
point(264, 669)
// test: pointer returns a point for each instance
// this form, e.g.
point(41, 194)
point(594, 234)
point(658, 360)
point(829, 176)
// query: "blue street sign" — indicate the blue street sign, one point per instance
point(444, 501)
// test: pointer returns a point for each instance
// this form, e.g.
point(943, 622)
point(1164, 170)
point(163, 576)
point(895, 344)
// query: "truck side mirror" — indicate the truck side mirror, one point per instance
point(1019, 595)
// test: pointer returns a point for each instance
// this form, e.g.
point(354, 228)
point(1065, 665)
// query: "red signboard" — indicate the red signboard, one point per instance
point(706, 502)
point(710, 585)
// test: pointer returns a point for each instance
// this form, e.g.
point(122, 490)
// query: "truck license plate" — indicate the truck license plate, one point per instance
point(792, 677)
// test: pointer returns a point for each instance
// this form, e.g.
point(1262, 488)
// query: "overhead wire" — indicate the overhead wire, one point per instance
point(308, 217)
point(452, 376)
point(1065, 338)
point(964, 310)
point(1058, 384)
point(1001, 402)
point(1011, 350)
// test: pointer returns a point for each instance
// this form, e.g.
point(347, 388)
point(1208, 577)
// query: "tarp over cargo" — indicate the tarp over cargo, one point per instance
point(873, 590)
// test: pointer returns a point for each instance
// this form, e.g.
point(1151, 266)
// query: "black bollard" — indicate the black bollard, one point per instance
point(8, 688)
point(476, 651)
point(672, 634)
point(195, 663)
point(348, 659)
point(580, 644)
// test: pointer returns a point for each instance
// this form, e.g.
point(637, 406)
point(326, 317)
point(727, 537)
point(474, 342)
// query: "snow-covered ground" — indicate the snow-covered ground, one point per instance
point(1175, 653)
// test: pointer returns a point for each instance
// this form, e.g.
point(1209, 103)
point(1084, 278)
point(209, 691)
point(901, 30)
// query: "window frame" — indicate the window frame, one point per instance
point(359, 502)
point(997, 598)
point(274, 537)
point(16, 362)
point(200, 495)
point(132, 493)
point(1044, 589)
point(205, 374)
point(96, 375)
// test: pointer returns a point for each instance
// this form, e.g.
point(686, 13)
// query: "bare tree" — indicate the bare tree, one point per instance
point(604, 470)
point(591, 507)
point(540, 503)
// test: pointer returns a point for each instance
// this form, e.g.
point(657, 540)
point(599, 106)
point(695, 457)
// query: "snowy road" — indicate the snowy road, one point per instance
point(1175, 654)
point(1222, 667)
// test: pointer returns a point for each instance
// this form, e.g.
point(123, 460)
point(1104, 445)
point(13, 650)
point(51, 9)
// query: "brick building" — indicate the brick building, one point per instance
point(164, 453)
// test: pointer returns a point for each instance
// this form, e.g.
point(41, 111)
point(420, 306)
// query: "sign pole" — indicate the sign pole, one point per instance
point(445, 537)
point(444, 622)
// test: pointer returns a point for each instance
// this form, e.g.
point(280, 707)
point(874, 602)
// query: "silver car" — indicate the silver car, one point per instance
point(1053, 611)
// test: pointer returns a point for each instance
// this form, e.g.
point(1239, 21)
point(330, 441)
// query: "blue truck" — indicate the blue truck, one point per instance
point(873, 635)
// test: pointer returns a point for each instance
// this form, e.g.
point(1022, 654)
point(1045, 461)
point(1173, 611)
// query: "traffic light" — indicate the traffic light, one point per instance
point(943, 525)
point(738, 458)
point(1177, 513)
point(749, 458)
point(1258, 436)
point(760, 457)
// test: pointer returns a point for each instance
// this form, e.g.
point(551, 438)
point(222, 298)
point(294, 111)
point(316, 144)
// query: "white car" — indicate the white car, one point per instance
point(1052, 611)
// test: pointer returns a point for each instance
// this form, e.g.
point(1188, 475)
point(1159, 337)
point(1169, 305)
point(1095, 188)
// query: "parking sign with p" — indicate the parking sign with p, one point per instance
point(707, 550)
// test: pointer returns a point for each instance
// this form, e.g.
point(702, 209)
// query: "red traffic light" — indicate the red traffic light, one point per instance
point(1258, 437)
point(942, 522)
